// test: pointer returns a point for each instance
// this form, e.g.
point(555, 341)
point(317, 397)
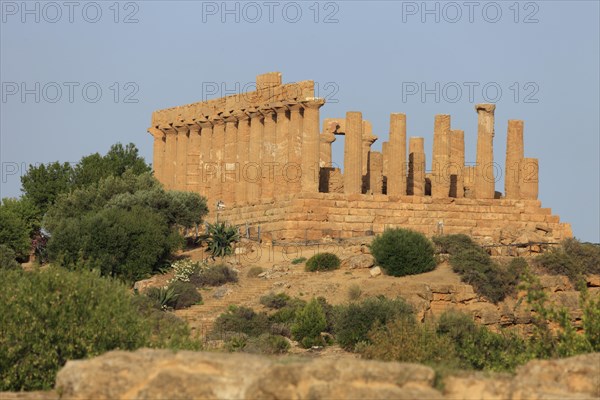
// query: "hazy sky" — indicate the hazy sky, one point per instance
point(80, 76)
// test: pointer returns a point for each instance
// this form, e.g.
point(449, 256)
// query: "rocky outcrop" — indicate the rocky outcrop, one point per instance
point(162, 374)
point(153, 374)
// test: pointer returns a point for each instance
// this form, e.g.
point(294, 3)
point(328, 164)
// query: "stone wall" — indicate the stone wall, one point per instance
point(318, 216)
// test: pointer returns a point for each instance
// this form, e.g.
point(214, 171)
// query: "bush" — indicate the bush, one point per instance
point(323, 262)
point(275, 301)
point(254, 272)
point(50, 316)
point(476, 267)
point(266, 344)
point(8, 258)
point(126, 244)
point(403, 252)
point(186, 295)
point(573, 259)
point(183, 269)
point(163, 297)
point(14, 231)
point(406, 340)
point(354, 292)
point(476, 347)
point(353, 322)
point(220, 239)
point(242, 320)
point(310, 321)
point(215, 275)
point(298, 260)
point(287, 314)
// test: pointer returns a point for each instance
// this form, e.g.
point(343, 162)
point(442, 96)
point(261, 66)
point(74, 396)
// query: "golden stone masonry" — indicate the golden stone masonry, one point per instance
point(263, 155)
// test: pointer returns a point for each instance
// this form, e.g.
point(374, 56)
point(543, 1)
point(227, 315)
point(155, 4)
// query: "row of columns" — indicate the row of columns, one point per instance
point(449, 176)
point(242, 157)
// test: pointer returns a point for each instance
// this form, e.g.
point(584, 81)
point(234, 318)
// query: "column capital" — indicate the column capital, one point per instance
point(255, 113)
point(295, 106)
point(369, 138)
point(167, 129)
point(204, 124)
point(217, 120)
point(157, 133)
point(313, 102)
point(181, 127)
point(267, 111)
point(485, 107)
point(327, 137)
point(231, 118)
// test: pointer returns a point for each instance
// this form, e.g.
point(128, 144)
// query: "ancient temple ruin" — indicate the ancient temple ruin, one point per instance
point(264, 158)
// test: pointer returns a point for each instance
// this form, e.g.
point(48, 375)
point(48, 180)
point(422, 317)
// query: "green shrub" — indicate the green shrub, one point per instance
point(183, 269)
point(476, 267)
point(242, 320)
point(266, 344)
point(403, 252)
point(298, 260)
point(323, 262)
point(14, 231)
point(476, 347)
point(50, 316)
point(186, 294)
point(215, 275)
point(8, 258)
point(310, 321)
point(220, 239)
point(164, 297)
point(573, 259)
point(254, 272)
point(287, 314)
point(275, 301)
point(406, 340)
point(353, 322)
point(120, 243)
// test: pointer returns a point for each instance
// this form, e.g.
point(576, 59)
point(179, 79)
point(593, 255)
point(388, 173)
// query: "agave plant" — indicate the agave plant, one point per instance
point(166, 297)
point(220, 239)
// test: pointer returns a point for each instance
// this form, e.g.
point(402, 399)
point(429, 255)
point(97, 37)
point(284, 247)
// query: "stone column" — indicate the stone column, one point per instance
point(193, 157)
point(310, 145)
point(243, 144)
point(396, 178)
point(375, 172)
point(281, 149)
point(217, 160)
point(416, 166)
point(469, 181)
point(230, 171)
point(457, 163)
point(385, 151)
point(170, 156)
point(484, 179)
point(253, 172)
point(294, 168)
point(367, 141)
point(158, 153)
point(325, 158)
point(181, 165)
point(440, 179)
point(353, 153)
point(529, 172)
point(205, 148)
point(514, 157)
point(268, 153)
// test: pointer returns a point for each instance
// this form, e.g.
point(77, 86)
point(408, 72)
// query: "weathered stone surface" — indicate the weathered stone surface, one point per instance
point(154, 374)
point(570, 378)
point(358, 261)
point(375, 272)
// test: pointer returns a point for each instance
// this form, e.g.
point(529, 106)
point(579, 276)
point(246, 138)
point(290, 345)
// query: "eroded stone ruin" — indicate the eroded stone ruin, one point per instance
point(262, 155)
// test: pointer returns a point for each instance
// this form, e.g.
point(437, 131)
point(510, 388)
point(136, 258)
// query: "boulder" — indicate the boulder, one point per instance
point(375, 272)
point(358, 261)
point(155, 374)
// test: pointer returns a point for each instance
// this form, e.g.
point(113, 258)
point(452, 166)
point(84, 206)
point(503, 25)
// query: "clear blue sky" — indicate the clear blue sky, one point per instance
point(367, 56)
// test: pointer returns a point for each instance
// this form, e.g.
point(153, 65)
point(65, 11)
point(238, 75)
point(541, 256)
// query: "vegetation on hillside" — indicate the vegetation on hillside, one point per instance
point(403, 252)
